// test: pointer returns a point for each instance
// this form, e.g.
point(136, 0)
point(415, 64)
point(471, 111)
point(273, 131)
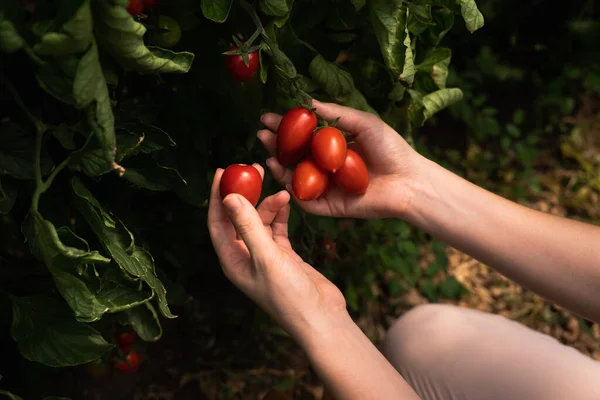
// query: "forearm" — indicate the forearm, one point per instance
point(555, 257)
point(350, 365)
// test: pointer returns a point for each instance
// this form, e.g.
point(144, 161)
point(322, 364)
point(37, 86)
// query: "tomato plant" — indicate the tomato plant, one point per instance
point(353, 176)
point(126, 360)
point(167, 33)
point(329, 149)
point(294, 134)
point(109, 140)
point(242, 179)
point(309, 182)
point(238, 69)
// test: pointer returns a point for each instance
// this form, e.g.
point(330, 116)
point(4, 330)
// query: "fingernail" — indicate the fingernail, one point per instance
point(232, 203)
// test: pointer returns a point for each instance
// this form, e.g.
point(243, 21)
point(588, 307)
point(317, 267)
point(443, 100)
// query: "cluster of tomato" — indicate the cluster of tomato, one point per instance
point(125, 358)
point(296, 138)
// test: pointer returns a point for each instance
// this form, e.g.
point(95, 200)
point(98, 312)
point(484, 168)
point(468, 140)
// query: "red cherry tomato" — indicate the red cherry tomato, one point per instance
point(135, 7)
point(126, 338)
point(242, 179)
point(353, 177)
point(127, 361)
point(329, 148)
point(236, 67)
point(309, 181)
point(294, 135)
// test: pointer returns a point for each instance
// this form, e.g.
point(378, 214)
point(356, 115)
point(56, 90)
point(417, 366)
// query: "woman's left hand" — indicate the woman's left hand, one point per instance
point(264, 266)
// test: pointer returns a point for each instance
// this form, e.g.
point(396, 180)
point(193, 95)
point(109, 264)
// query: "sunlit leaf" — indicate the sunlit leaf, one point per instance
point(73, 37)
point(440, 99)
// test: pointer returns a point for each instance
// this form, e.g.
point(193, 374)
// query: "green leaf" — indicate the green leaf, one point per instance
point(119, 243)
point(9, 395)
point(8, 195)
point(439, 100)
point(148, 174)
point(335, 81)
point(79, 81)
point(388, 18)
point(436, 64)
point(17, 151)
point(428, 288)
point(216, 10)
point(274, 8)
point(452, 289)
point(10, 40)
point(358, 4)
point(74, 36)
point(408, 69)
point(471, 14)
point(358, 101)
point(150, 137)
point(120, 35)
point(62, 262)
point(46, 332)
point(421, 12)
point(144, 321)
point(444, 20)
point(263, 67)
point(65, 134)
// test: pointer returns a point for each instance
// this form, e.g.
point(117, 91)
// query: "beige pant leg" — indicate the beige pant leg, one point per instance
point(451, 353)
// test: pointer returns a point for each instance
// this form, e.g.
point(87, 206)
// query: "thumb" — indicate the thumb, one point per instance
point(249, 225)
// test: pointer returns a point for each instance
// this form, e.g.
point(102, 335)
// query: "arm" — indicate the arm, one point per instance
point(309, 307)
point(555, 257)
point(350, 365)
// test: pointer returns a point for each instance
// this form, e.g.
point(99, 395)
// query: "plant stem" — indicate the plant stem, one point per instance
point(37, 170)
point(39, 125)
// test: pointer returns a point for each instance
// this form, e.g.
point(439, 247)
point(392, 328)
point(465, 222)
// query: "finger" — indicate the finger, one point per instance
point(269, 140)
point(351, 120)
point(319, 206)
point(272, 205)
point(219, 225)
point(280, 173)
point(271, 121)
point(250, 227)
point(280, 222)
point(260, 170)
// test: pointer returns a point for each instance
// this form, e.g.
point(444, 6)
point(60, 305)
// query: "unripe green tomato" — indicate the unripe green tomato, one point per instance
point(165, 39)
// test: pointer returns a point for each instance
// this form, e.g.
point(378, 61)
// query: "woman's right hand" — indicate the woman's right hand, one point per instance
point(393, 166)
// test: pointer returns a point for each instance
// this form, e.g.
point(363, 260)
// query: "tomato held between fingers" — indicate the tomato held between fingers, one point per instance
point(236, 67)
point(242, 179)
point(135, 7)
point(309, 181)
point(128, 361)
point(167, 34)
point(294, 135)
point(329, 148)
point(353, 176)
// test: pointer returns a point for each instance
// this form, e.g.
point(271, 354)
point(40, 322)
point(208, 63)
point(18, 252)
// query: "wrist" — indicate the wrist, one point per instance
point(323, 331)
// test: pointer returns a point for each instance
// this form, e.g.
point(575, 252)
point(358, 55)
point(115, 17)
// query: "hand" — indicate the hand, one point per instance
point(391, 161)
point(264, 266)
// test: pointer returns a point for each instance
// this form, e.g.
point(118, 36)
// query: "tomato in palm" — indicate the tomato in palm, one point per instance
point(353, 177)
point(309, 181)
point(242, 179)
point(167, 33)
point(236, 67)
point(329, 148)
point(294, 135)
point(126, 338)
point(127, 361)
point(135, 7)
